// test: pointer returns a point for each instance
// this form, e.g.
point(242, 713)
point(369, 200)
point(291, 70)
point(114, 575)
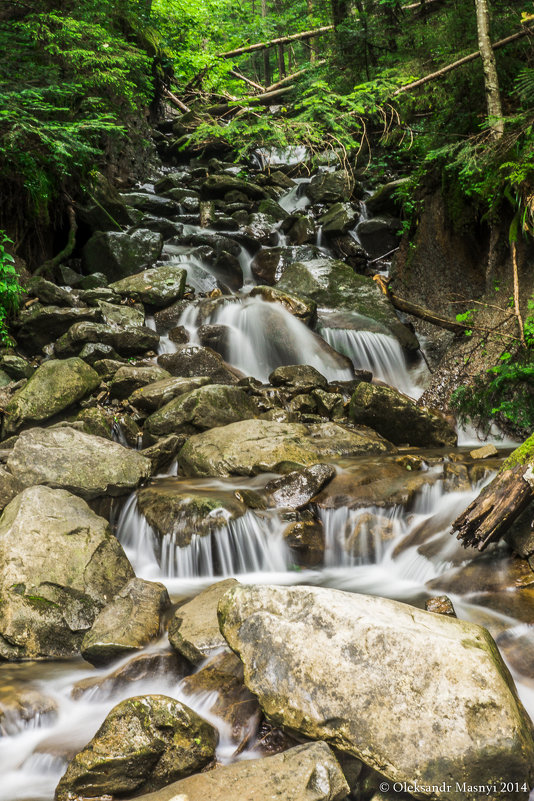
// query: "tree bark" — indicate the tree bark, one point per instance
point(281, 40)
point(494, 510)
point(60, 257)
point(267, 78)
point(489, 65)
point(240, 77)
point(290, 78)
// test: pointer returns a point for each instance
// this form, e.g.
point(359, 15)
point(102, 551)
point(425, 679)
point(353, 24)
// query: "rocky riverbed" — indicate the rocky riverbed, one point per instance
point(225, 559)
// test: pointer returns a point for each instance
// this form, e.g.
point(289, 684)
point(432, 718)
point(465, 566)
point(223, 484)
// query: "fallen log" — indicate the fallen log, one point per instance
point(294, 37)
point(455, 64)
point(236, 74)
point(500, 503)
point(293, 76)
point(176, 101)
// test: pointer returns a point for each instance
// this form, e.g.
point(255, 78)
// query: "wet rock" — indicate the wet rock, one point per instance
point(329, 404)
point(16, 367)
point(96, 352)
point(330, 187)
point(53, 387)
point(399, 418)
point(234, 704)
point(108, 366)
point(220, 185)
point(118, 254)
point(301, 308)
point(269, 263)
point(301, 377)
point(154, 396)
point(489, 572)
point(97, 420)
point(440, 605)
point(129, 622)
point(145, 743)
point(167, 665)
point(194, 629)
point(379, 235)
point(59, 565)
point(179, 335)
point(305, 773)
point(163, 451)
point(39, 325)
point(173, 510)
point(157, 287)
point(49, 293)
point(484, 452)
point(122, 316)
point(305, 539)
point(384, 200)
point(129, 378)
point(338, 219)
point(261, 228)
point(296, 490)
point(160, 225)
point(272, 209)
point(65, 458)
point(151, 204)
point(302, 230)
point(334, 285)
point(195, 360)
point(453, 700)
point(366, 542)
point(214, 337)
point(250, 447)
point(173, 180)
point(203, 408)
point(127, 340)
point(22, 706)
point(345, 247)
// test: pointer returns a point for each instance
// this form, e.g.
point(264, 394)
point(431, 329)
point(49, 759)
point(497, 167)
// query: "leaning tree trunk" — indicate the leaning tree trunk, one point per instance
point(492, 513)
point(489, 65)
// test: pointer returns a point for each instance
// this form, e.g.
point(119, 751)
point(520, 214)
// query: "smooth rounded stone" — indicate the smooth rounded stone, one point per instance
point(121, 315)
point(118, 254)
point(129, 622)
point(379, 235)
point(305, 539)
point(269, 263)
point(157, 287)
point(217, 186)
point(160, 225)
point(86, 465)
point(399, 418)
point(330, 187)
point(9, 487)
point(59, 565)
point(49, 293)
point(334, 285)
point(272, 209)
point(53, 387)
point(39, 325)
point(453, 699)
point(250, 447)
point(125, 340)
point(151, 204)
point(179, 334)
point(385, 200)
point(305, 773)
point(295, 490)
point(130, 377)
point(172, 509)
point(214, 336)
point(145, 743)
point(97, 420)
point(94, 286)
point(302, 230)
point(16, 367)
point(303, 377)
point(167, 665)
point(302, 308)
point(440, 605)
point(338, 219)
point(195, 360)
point(194, 628)
point(22, 706)
point(202, 408)
point(107, 367)
point(154, 396)
point(233, 703)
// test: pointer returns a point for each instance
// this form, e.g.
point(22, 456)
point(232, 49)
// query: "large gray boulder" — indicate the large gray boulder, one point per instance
point(306, 773)
point(129, 622)
point(145, 743)
point(334, 285)
point(59, 565)
point(118, 254)
point(127, 340)
point(330, 187)
point(399, 418)
point(154, 396)
point(421, 698)
point(129, 378)
point(54, 386)
point(202, 408)
point(39, 325)
point(261, 446)
point(159, 286)
point(195, 360)
point(65, 458)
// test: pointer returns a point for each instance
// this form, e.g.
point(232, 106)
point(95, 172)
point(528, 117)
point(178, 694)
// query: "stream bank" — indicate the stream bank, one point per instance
point(221, 391)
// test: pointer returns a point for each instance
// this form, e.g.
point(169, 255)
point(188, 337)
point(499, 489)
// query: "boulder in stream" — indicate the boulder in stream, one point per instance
point(160, 286)
point(145, 743)
point(330, 187)
point(250, 447)
point(65, 458)
point(196, 360)
point(129, 622)
point(296, 490)
point(53, 387)
point(118, 254)
point(305, 773)
point(399, 418)
point(127, 340)
point(416, 696)
point(302, 308)
point(59, 565)
point(131, 377)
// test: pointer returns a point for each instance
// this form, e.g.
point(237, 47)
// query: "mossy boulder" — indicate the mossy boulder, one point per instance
point(126, 340)
point(131, 377)
point(154, 396)
point(330, 187)
point(302, 308)
point(160, 286)
point(53, 387)
point(59, 566)
point(118, 254)
point(196, 360)
point(145, 743)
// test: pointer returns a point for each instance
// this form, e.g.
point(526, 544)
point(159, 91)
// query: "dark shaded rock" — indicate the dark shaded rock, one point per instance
point(16, 367)
point(118, 254)
point(302, 308)
point(163, 451)
point(338, 219)
point(129, 378)
point(154, 396)
point(330, 187)
point(157, 287)
point(440, 605)
point(383, 200)
point(305, 539)
point(301, 377)
point(153, 666)
point(127, 341)
point(379, 235)
point(39, 325)
point(195, 360)
point(214, 336)
point(220, 185)
point(49, 293)
point(296, 490)
point(151, 204)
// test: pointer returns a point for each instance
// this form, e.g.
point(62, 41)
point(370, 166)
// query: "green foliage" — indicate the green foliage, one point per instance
point(10, 289)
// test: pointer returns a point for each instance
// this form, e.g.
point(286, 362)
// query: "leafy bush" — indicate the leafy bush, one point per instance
point(10, 289)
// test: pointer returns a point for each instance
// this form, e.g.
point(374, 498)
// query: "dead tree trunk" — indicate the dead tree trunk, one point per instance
point(489, 65)
point(492, 513)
